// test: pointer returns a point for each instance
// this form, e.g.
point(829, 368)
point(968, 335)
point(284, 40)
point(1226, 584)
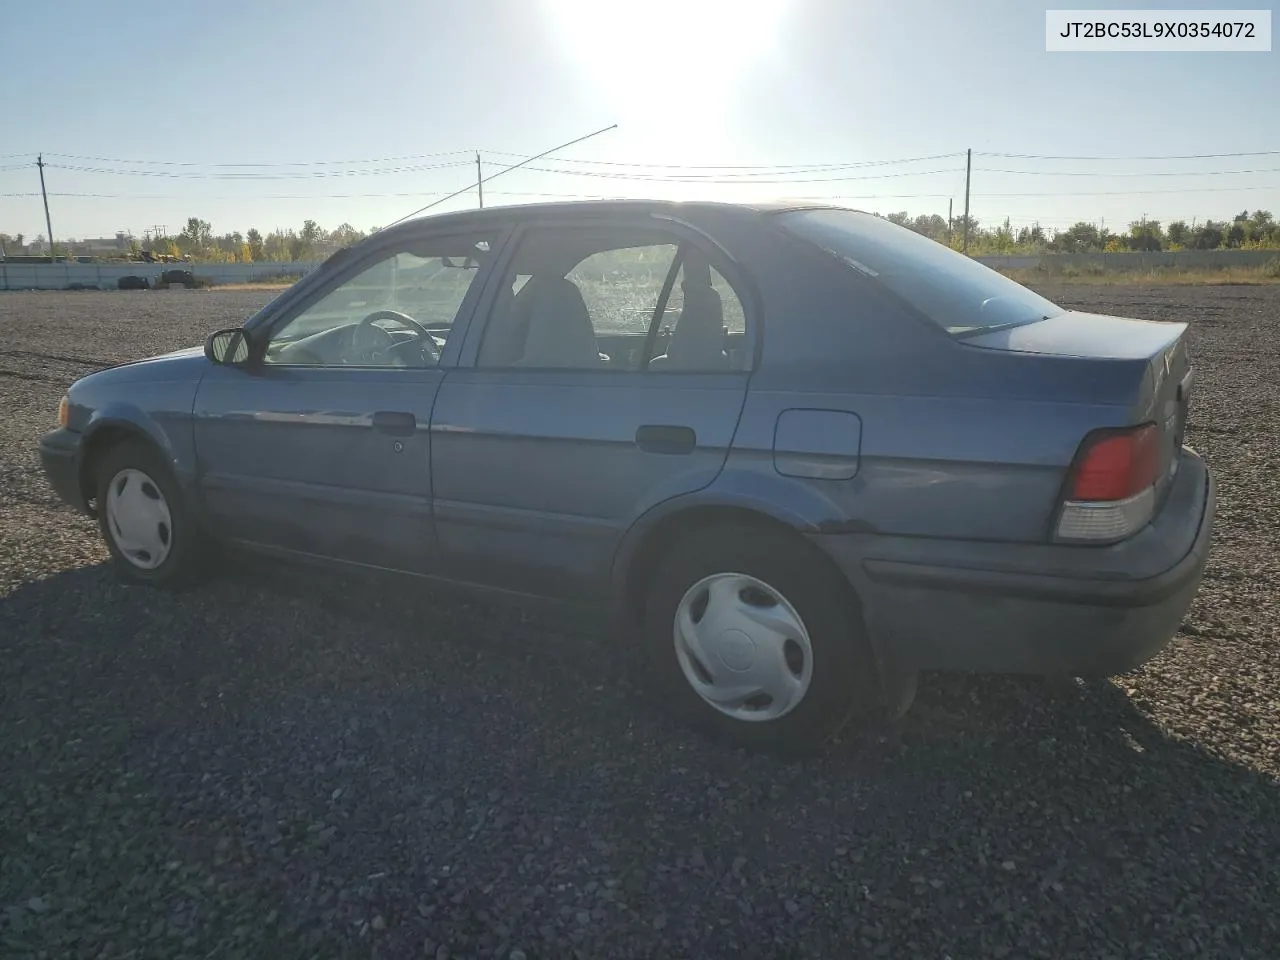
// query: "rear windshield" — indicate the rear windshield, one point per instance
point(954, 291)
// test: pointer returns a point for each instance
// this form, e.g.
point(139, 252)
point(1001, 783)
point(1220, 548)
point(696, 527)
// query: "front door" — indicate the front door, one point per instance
point(608, 377)
point(323, 446)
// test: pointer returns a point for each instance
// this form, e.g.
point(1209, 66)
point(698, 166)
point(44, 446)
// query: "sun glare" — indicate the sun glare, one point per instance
point(643, 55)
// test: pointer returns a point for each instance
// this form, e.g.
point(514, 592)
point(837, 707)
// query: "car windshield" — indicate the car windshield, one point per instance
point(957, 293)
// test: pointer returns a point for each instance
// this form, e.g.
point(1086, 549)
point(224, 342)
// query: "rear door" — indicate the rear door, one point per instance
point(558, 428)
point(323, 448)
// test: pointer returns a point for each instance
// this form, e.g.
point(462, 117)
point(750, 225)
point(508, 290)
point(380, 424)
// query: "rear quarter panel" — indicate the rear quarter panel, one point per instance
point(956, 441)
point(929, 466)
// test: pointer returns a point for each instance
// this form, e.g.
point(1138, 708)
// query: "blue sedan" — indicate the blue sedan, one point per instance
point(804, 452)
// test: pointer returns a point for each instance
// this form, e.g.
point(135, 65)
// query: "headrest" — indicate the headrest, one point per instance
point(696, 270)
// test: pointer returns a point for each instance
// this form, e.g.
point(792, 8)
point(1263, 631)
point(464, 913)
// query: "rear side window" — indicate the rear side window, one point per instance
point(735, 321)
point(621, 286)
point(613, 299)
point(952, 290)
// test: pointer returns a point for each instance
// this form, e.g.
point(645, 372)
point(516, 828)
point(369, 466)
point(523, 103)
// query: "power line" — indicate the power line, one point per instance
point(395, 195)
point(1189, 156)
point(227, 196)
point(781, 167)
point(874, 196)
point(656, 178)
point(866, 196)
point(794, 167)
point(536, 193)
point(623, 172)
point(277, 163)
point(758, 177)
point(1154, 173)
point(297, 175)
point(651, 166)
point(1132, 193)
point(724, 169)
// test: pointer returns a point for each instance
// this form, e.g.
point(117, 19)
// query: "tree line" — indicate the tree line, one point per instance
point(1246, 230)
point(197, 241)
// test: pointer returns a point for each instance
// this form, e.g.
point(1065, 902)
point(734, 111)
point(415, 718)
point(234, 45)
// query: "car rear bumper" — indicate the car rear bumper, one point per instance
point(1035, 608)
point(60, 456)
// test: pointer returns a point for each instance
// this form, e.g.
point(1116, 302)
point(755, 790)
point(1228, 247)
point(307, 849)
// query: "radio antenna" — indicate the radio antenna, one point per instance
point(514, 166)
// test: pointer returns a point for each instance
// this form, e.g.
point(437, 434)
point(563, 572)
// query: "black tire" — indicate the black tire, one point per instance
point(187, 544)
point(844, 680)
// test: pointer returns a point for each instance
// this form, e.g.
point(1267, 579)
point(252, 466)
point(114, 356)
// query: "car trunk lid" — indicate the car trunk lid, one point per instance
point(1163, 372)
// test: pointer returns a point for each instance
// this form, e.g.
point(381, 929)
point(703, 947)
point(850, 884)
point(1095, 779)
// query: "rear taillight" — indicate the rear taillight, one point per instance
point(1110, 493)
point(1113, 466)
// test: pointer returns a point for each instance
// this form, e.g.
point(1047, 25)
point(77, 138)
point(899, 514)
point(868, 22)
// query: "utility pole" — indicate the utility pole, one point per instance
point(950, 200)
point(968, 169)
point(48, 224)
point(479, 180)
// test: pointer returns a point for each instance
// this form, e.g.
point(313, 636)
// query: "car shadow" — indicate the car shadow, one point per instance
point(475, 748)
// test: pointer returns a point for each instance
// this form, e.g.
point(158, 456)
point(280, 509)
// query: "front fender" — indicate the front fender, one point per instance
point(165, 422)
point(128, 417)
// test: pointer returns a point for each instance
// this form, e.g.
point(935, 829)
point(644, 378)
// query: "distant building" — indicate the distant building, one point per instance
point(102, 246)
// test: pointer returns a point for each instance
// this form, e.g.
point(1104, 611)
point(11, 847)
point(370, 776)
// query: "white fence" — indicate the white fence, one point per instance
point(60, 276)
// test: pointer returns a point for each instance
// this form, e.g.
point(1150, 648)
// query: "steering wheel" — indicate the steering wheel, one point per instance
point(373, 353)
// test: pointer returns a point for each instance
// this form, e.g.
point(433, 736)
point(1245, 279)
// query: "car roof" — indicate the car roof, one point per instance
point(595, 208)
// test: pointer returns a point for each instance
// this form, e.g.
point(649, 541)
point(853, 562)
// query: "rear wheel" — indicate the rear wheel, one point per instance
point(757, 641)
point(149, 531)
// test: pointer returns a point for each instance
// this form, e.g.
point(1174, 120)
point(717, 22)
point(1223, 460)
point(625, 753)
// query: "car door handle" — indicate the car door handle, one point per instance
point(395, 422)
point(663, 438)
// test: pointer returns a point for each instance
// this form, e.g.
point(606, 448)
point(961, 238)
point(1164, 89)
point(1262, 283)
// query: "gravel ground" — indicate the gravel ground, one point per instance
point(287, 764)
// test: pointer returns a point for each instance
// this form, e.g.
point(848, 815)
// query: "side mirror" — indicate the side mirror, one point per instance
point(228, 348)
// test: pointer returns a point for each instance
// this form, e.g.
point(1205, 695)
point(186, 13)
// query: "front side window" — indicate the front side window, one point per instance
point(396, 312)
point(952, 290)
point(594, 300)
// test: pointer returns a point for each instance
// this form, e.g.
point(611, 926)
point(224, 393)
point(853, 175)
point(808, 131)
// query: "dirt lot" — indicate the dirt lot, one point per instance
point(280, 765)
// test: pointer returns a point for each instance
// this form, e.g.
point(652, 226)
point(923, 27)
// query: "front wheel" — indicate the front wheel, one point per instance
point(757, 641)
point(149, 531)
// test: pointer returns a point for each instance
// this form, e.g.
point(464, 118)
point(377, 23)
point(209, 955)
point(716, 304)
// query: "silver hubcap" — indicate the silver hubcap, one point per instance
point(742, 647)
point(138, 519)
